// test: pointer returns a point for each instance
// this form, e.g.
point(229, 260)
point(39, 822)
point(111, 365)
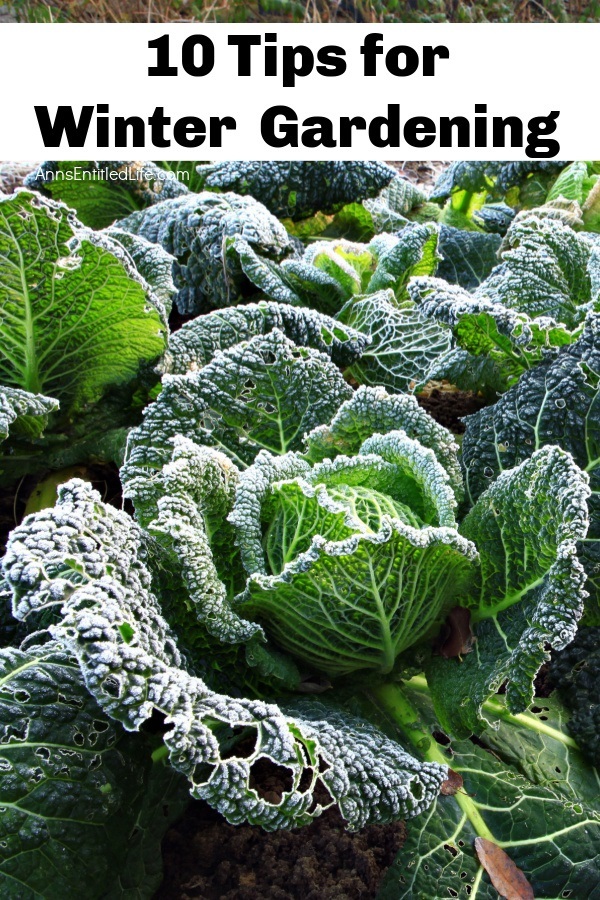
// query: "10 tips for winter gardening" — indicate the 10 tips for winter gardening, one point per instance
point(308, 574)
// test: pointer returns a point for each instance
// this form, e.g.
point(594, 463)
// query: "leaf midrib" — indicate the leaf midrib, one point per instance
point(31, 380)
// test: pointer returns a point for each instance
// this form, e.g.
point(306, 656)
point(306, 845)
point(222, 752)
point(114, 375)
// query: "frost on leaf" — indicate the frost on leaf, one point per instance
point(330, 273)
point(199, 230)
point(73, 786)
point(196, 343)
point(371, 410)
point(92, 563)
point(556, 403)
point(262, 393)
point(352, 560)
point(77, 321)
point(403, 343)
point(531, 792)
point(530, 593)
point(115, 190)
point(535, 300)
point(23, 412)
point(299, 189)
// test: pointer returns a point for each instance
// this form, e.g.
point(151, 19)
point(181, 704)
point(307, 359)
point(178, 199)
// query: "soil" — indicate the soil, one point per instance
point(422, 174)
point(206, 858)
point(448, 406)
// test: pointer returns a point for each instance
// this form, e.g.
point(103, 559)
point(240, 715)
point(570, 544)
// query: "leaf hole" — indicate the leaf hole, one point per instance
point(154, 725)
point(323, 765)
point(77, 702)
point(111, 686)
point(270, 780)
point(306, 780)
point(441, 738)
point(416, 789)
point(450, 849)
point(321, 797)
point(240, 742)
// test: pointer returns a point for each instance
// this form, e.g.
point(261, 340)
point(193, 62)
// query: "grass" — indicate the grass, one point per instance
point(375, 11)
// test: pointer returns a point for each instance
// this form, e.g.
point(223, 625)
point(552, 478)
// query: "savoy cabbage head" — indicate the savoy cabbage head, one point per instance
point(364, 286)
point(532, 303)
point(317, 581)
point(338, 561)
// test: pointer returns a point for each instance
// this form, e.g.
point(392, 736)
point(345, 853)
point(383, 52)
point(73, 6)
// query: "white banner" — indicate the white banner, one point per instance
point(312, 92)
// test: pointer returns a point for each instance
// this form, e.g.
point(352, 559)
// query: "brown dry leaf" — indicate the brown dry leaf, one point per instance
point(452, 784)
point(505, 875)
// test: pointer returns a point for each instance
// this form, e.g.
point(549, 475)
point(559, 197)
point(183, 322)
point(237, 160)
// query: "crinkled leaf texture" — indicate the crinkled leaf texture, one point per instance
point(355, 559)
point(195, 344)
point(402, 343)
point(74, 787)
point(78, 323)
point(537, 797)
point(510, 340)
point(531, 589)
point(153, 263)
point(263, 393)
point(493, 177)
point(575, 671)
point(387, 262)
point(366, 285)
point(101, 192)
point(556, 403)
point(394, 204)
point(298, 189)
point(96, 321)
point(536, 299)
point(547, 269)
point(199, 230)
point(94, 565)
point(332, 272)
point(184, 506)
point(24, 413)
point(371, 410)
point(580, 182)
point(467, 257)
point(494, 218)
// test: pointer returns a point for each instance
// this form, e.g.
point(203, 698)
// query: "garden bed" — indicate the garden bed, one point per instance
point(357, 610)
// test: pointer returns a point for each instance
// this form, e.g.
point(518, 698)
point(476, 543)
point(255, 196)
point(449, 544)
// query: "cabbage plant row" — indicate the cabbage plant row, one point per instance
point(310, 577)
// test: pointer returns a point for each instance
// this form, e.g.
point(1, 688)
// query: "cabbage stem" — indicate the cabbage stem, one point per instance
point(397, 707)
point(496, 707)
